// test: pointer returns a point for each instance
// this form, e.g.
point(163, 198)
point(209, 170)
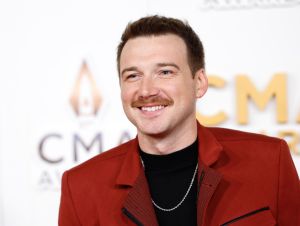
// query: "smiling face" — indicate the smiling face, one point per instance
point(158, 90)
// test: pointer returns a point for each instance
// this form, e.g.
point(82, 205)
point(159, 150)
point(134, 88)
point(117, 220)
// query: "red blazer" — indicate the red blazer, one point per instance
point(244, 179)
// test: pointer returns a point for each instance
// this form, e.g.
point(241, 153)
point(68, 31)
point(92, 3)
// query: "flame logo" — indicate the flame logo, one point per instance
point(85, 98)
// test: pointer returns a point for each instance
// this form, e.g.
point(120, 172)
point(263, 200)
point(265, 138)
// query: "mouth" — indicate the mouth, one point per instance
point(152, 108)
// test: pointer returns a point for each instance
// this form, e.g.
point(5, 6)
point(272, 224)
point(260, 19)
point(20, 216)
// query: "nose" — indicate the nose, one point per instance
point(147, 88)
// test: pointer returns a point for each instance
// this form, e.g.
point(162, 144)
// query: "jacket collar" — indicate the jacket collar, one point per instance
point(137, 205)
point(208, 146)
point(131, 166)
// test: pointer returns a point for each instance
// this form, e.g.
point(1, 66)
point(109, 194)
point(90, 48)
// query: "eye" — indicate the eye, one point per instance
point(166, 72)
point(131, 77)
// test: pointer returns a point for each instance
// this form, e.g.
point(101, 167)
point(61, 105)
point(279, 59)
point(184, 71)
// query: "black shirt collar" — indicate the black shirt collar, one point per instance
point(179, 159)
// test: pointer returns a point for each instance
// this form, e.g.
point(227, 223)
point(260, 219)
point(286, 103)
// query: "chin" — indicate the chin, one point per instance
point(152, 130)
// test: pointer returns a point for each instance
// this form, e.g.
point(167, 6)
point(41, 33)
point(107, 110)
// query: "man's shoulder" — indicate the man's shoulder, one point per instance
point(253, 148)
point(232, 135)
point(248, 145)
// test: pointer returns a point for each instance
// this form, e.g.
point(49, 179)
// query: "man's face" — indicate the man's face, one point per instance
point(158, 90)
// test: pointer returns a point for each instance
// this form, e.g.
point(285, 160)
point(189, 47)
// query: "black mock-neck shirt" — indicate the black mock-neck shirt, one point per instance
point(169, 177)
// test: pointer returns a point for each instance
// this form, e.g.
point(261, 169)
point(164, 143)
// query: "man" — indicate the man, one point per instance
point(177, 172)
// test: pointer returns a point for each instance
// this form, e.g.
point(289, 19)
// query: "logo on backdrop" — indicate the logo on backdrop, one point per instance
point(246, 94)
point(85, 98)
point(246, 4)
point(59, 150)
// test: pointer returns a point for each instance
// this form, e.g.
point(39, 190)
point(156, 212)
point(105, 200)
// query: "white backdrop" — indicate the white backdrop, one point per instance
point(43, 47)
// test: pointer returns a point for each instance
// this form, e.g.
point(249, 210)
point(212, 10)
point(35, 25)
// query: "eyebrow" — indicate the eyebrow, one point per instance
point(133, 68)
point(129, 69)
point(168, 64)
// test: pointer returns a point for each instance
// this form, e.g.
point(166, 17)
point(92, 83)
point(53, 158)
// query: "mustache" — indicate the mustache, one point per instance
point(156, 100)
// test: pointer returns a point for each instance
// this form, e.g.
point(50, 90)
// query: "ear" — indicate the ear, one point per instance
point(201, 83)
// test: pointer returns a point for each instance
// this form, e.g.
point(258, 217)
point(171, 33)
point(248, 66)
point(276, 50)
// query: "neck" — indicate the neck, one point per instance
point(170, 142)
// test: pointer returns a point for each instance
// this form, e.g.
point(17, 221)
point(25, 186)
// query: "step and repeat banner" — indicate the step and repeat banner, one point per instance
point(59, 91)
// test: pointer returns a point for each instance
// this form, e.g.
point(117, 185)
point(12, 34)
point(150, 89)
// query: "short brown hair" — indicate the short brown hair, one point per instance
point(159, 25)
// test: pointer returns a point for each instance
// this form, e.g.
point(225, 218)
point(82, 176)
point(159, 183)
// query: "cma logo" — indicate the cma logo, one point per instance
point(85, 98)
point(86, 101)
point(79, 146)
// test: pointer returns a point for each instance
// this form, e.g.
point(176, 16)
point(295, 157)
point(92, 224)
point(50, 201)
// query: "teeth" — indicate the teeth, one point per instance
point(153, 108)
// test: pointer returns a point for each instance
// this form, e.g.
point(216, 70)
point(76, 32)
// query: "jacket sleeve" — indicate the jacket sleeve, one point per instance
point(67, 212)
point(288, 190)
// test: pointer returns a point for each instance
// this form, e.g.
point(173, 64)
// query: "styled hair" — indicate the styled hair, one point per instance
point(160, 25)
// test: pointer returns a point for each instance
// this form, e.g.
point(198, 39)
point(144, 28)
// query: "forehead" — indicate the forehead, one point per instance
point(156, 49)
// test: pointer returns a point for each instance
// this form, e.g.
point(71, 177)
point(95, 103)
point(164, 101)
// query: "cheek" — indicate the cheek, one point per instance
point(126, 95)
point(185, 93)
point(180, 89)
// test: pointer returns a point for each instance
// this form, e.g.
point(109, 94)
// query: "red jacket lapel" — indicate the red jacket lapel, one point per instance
point(137, 205)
